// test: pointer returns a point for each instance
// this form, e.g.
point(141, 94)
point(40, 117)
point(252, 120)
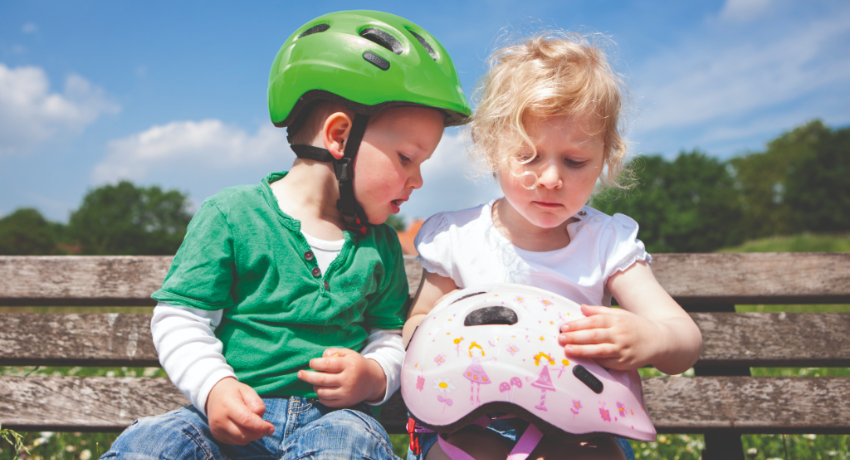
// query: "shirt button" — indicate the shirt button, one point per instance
point(327, 286)
point(308, 255)
point(316, 272)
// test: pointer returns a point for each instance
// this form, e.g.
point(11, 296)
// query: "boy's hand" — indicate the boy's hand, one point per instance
point(345, 378)
point(235, 412)
point(613, 337)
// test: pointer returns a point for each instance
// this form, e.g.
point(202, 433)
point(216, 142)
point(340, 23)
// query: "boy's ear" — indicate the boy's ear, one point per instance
point(335, 133)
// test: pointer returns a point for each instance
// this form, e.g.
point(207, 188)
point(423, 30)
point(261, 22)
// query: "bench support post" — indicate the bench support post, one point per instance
point(720, 446)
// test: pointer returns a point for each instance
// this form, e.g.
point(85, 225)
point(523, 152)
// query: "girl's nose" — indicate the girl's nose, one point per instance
point(550, 177)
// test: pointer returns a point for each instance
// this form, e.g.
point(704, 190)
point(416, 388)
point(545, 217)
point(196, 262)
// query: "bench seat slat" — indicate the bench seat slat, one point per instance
point(693, 279)
point(730, 339)
point(676, 405)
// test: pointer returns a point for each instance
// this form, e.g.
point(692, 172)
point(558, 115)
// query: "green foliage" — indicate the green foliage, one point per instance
point(799, 183)
point(123, 219)
point(797, 243)
point(395, 221)
point(15, 439)
point(27, 232)
point(687, 205)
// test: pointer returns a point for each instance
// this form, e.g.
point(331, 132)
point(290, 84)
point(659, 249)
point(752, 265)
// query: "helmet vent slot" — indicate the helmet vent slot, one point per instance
point(315, 29)
point(382, 38)
point(378, 61)
point(424, 44)
point(588, 379)
point(488, 316)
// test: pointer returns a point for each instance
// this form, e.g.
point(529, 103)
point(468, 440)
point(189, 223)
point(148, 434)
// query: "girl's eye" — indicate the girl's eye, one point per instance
point(404, 159)
point(575, 162)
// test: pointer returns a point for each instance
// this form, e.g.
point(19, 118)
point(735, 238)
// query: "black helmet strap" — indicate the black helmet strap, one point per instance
point(353, 214)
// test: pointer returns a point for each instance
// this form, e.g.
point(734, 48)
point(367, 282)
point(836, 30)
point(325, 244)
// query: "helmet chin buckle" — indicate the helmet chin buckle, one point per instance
point(342, 169)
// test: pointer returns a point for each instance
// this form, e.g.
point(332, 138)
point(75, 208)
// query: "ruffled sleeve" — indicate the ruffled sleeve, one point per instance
point(434, 244)
point(621, 246)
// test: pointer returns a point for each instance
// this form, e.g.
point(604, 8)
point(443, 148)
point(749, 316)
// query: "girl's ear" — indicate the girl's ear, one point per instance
point(335, 133)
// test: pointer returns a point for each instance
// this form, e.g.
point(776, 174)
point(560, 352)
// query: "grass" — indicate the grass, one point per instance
point(668, 446)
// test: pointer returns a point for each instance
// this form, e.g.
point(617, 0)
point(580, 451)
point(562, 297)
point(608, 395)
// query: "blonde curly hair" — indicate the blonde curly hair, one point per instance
point(550, 74)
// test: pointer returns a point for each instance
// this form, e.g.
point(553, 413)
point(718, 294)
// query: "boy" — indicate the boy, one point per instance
point(278, 287)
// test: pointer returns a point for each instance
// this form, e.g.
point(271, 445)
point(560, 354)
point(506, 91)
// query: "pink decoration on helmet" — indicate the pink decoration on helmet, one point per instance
point(555, 384)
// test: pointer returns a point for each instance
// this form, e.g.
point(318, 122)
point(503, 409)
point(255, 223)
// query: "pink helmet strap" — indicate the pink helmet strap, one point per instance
point(526, 443)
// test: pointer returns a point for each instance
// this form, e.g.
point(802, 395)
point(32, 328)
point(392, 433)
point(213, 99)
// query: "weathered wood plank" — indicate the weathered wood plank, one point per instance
point(98, 404)
point(676, 405)
point(730, 339)
point(81, 280)
point(774, 339)
point(773, 278)
point(113, 339)
point(755, 278)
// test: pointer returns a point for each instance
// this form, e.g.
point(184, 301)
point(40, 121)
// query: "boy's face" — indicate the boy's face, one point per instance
point(387, 166)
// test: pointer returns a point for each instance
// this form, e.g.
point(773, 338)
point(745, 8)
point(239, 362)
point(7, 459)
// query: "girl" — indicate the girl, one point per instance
point(547, 127)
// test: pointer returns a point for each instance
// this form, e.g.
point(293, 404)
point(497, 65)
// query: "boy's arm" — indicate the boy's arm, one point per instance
point(192, 357)
point(385, 348)
point(189, 351)
point(432, 289)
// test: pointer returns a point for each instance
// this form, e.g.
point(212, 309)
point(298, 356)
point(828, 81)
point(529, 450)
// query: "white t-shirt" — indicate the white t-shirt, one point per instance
point(466, 247)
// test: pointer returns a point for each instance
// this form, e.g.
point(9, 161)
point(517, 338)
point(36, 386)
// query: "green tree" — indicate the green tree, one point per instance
point(817, 188)
point(685, 205)
point(395, 221)
point(123, 219)
point(26, 232)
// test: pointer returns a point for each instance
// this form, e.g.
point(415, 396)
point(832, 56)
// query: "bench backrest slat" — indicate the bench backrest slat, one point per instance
point(676, 405)
point(693, 279)
point(730, 339)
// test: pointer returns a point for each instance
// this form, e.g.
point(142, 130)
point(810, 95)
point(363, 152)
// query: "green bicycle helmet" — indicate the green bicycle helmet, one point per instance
point(366, 61)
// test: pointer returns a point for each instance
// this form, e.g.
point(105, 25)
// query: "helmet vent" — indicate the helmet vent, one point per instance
point(424, 45)
point(376, 60)
point(382, 38)
point(488, 316)
point(588, 379)
point(315, 29)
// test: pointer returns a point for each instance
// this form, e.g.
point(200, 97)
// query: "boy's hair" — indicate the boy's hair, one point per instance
point(549, 74)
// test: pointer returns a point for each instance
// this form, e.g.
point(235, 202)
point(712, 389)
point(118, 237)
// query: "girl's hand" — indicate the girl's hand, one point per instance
point(615, 338)
point(344, 378)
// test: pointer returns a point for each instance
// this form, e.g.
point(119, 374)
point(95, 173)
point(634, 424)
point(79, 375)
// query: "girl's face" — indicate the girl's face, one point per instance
point(568, 162)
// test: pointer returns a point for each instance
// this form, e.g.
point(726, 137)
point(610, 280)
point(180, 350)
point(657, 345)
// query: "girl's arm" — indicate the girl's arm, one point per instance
point(650, 329)
point(432, 289)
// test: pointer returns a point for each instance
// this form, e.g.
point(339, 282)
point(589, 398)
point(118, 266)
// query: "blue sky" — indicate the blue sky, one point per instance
point(174, 93)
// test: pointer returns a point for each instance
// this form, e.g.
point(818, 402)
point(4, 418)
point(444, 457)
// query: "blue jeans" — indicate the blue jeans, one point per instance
point(509, 431)
point(304, 429)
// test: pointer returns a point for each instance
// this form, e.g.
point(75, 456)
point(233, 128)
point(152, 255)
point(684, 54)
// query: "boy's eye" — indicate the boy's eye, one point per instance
point(404, 159)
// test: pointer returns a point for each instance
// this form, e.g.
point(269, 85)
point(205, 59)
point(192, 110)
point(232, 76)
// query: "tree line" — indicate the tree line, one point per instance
point(693, 203)
point(697, 203)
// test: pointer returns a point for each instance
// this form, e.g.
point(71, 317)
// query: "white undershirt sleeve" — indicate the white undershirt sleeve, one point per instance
point(386, 347)
point(189, 351)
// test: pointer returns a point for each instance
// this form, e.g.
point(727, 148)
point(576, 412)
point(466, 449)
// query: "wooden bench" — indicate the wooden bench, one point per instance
point(722, 401)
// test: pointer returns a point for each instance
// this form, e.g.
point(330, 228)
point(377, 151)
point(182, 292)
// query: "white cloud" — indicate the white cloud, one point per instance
point(743, 10)
point(29, 28)
point(190, 148)
point(30, 114)
point(718, 79)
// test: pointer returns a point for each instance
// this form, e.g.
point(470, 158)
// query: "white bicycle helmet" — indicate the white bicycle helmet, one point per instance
point(494, 350)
